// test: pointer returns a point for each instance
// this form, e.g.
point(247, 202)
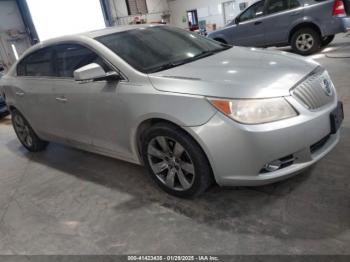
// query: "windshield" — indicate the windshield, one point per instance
point(153, 49)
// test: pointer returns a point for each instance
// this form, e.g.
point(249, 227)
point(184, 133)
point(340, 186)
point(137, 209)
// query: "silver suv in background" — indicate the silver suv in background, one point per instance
point(306, 25)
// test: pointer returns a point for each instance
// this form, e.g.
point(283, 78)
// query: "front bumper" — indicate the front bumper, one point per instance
point(238, 153)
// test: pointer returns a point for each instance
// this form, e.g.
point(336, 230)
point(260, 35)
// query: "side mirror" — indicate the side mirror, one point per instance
point(94, 72)
point(237, 20)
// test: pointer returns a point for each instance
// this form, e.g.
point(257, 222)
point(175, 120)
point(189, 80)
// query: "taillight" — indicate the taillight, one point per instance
point(338, 8)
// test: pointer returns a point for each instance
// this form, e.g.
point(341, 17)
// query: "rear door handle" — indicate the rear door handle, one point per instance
point(61, 99)
point(258, 23)
point(19, 93)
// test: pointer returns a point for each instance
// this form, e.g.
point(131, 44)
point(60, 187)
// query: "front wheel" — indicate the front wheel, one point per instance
point(175, 161)
point(306, 41)
point(26, 134)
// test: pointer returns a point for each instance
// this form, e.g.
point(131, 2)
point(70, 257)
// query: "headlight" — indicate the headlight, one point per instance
point(255, 111)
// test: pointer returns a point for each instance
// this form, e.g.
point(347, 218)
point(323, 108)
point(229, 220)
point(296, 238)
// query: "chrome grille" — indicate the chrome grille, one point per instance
point(312, 93)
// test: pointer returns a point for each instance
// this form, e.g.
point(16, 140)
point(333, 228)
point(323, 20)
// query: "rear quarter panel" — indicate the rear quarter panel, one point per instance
point(321, 14)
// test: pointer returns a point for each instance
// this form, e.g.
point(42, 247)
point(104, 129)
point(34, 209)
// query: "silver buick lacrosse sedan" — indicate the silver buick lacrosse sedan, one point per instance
point(192, 110)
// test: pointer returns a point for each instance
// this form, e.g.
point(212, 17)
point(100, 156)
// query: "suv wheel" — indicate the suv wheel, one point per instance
point(175, 161)
point(327, 40)
point(306, 41)
point(26, 134)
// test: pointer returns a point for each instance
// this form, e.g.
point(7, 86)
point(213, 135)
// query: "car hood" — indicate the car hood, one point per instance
point(236, 73)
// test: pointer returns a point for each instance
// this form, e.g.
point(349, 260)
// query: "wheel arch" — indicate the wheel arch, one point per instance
point(304, 25)
point(12, 108)
point(218, 35)
point(144, 125)
point(220, 39)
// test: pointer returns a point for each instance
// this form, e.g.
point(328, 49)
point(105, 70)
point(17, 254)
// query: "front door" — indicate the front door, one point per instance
point(249, 29)
point(73, 98)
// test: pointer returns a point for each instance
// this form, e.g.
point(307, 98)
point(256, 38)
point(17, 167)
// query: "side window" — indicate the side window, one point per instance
point(37, 64)
point(275, 6)
point(252, 12)
point(294, 4)
point(70, 57)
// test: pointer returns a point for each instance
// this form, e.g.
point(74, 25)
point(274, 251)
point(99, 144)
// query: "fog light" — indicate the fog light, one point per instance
point(273, 166)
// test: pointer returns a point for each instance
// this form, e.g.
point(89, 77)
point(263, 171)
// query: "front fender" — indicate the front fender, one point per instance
point(199, 114)
point(218, 35)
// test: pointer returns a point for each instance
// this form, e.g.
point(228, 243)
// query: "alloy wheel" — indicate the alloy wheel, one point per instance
point(305, 42)
point(171, 163)
point(23, 130)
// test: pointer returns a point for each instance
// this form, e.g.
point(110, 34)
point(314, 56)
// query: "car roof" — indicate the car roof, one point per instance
point(117, 29)
point(97, 33)
point(85, 35)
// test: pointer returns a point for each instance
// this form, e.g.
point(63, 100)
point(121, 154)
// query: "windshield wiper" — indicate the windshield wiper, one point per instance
point(166, 66)
point(187, 60)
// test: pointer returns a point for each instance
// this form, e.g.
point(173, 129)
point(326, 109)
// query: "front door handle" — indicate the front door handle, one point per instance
point(19, 93)
point(61, 99)
point(257, 23)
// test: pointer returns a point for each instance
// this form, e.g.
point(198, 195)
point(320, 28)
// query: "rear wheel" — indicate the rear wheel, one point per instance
point(175, 161)
point(327, 40)
point(306, 41)
point(26, 134)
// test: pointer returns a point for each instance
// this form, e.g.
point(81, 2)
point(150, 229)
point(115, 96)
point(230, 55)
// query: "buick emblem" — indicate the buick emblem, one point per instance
point(327, 87)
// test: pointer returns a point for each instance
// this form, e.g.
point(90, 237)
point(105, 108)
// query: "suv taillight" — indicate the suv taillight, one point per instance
point(338, 8)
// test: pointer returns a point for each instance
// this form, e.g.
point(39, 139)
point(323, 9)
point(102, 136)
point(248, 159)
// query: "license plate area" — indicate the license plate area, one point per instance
point(337, 117)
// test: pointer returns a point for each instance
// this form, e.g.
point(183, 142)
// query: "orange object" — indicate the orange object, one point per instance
point(223, 106)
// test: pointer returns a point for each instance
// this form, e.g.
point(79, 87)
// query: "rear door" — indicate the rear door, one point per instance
point(281, 15)
point(33, 91)
point(249, 31)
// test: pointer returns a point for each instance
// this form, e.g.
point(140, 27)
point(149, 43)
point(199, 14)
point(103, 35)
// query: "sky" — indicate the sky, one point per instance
point(53, 18)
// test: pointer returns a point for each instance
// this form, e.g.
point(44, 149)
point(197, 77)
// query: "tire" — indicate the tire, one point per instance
point(180, 158)
point(26, 134)
point(327, 40)
point(306, 41)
